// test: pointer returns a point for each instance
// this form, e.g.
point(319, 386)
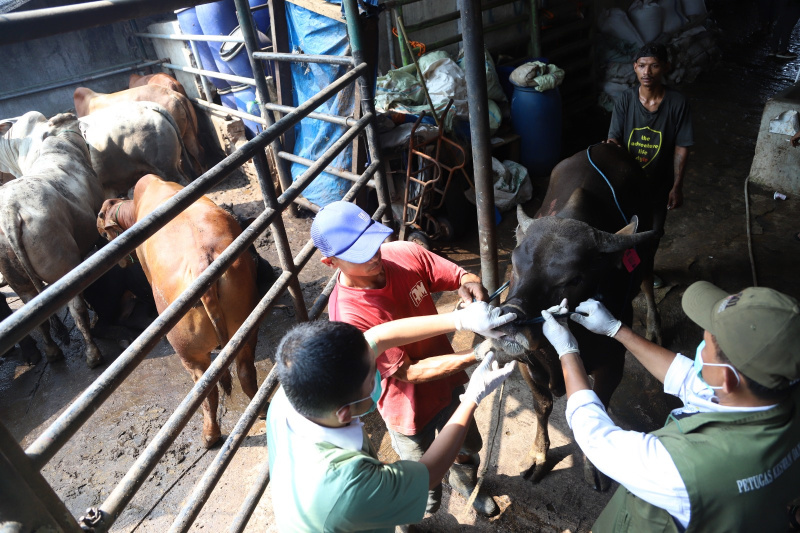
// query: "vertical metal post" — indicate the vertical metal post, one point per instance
point(279, 236)
point(404, 54)
point(472, 26)
point(26, 496)
point(535, 44)
point(390, 39)
point(262, 93)
point(206, 86)
point(365, 84)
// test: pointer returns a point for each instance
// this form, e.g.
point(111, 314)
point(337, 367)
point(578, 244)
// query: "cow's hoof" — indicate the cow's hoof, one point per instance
point(30, 353)
point(595, 478)
point(210, 440)
point(53, 353)
point(93, 357)
point(534, 466)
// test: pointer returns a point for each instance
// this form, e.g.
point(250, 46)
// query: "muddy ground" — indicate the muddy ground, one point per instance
point(705, 239)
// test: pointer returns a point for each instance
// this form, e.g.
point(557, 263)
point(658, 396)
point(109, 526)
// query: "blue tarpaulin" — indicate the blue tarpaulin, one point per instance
point(310, 33)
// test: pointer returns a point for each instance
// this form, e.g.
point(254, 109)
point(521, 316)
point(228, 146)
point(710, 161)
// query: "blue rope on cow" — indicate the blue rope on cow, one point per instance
point(613, 192)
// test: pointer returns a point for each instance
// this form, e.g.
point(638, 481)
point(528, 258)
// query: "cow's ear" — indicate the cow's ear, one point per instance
point(631, 228)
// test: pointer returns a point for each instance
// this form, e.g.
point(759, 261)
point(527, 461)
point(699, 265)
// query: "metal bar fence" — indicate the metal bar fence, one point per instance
point(55, 296)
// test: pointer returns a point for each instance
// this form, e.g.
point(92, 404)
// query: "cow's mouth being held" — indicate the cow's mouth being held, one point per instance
point(518, 337)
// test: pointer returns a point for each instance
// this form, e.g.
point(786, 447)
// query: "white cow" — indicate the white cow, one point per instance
point(48, 218)
point(131, 139)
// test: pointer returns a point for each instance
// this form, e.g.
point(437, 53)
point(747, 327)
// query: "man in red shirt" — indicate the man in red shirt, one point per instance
point(421, 381)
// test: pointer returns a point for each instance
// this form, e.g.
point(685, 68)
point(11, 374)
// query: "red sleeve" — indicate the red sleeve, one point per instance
point(442, 274)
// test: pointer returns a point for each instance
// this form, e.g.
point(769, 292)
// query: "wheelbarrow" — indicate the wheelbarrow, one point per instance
point(428, 179)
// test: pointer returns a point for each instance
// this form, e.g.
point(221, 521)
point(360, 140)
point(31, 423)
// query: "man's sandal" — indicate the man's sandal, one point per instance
point(793, 523)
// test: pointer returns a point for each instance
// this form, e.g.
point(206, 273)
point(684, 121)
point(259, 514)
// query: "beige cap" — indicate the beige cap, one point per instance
point(757, 328)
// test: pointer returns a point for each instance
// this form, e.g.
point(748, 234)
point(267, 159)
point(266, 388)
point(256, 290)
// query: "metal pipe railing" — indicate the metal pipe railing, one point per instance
point(101, 519)
point(334, 119)
point(191, 37)
point(281, 241)
point(490, 28)
point(304, 58)
point(283, 109)
point(37, 23)
point(365, 86)
point(479, 131)
point(212, 74)
point(330, 170)
point(96, 75)
point(241, 519)
point(455, 15)
point(12, 456)
point(58, 294)
point(213, 473)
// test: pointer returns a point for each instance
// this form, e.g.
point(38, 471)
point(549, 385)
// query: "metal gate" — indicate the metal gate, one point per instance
point(20, 477)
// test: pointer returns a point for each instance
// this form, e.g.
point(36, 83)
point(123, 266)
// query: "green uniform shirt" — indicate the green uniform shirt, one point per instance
point(741, 470)
point(319, 486)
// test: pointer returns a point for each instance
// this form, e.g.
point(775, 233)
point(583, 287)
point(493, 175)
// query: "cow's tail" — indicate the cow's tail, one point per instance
point(197, 166)
point(11, 225)
point(189, 173)
point(216, 314)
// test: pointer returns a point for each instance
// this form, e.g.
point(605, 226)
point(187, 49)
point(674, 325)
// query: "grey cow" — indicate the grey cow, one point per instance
point(47, 218)
point(131, 139)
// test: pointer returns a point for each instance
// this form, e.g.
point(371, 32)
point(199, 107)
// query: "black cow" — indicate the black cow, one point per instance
point(575, 248)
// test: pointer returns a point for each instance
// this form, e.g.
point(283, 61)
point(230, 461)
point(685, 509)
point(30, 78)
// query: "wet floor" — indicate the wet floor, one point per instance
point(705, 239)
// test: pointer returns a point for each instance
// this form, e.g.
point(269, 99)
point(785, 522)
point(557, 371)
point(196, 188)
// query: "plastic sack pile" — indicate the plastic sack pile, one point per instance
point(679, 24)
point(400, 90)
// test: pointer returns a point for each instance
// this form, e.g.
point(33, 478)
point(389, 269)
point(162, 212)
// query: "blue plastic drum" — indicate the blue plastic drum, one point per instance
point(261, 16)
point(536, 119)
point(245, 98)
point(218, 18)
point(235, 55)
point(187, 20)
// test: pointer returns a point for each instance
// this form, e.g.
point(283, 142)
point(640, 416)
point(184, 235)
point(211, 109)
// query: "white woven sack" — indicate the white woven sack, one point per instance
point(647, 18)
point(615, 22)
point(673, 15)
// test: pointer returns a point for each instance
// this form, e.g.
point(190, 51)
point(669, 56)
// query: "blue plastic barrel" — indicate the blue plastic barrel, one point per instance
point(245, 98)
point(218, 18)
point(187, 20)
point(261, 16)
point(227, 99)
point(235, 55)
point(536, 118)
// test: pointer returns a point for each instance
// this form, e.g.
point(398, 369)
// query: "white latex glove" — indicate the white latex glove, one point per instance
point(600, 320)
point(482, 318)
point(557, 332)
point(486, 378)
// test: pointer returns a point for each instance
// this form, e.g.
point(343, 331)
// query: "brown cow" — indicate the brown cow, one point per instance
point(160, 79)
point(87, 101)
point(172, 259)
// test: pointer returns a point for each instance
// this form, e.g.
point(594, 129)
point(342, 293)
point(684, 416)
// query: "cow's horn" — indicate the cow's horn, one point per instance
point(612, 242)
point(523, 220)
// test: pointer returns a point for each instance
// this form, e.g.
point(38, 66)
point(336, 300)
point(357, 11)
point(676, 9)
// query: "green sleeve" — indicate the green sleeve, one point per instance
point(382, 496)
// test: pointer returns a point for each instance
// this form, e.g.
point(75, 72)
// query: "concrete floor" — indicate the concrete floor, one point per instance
point(705, 239)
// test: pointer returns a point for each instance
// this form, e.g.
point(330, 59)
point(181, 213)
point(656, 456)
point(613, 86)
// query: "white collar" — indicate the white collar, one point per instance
point(350, 437)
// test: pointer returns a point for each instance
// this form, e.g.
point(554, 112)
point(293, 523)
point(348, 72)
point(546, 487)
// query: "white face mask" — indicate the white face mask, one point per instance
point(698, 366)
point(375, 395)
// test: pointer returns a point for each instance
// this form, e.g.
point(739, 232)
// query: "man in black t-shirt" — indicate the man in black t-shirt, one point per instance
point(654, 124)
